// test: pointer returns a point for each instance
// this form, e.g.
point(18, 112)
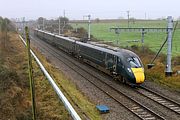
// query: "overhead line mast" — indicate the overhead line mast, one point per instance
point(89, 26)
point(59, 25)
point(128, 17)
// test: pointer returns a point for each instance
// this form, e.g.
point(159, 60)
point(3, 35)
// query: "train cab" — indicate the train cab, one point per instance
point(130, 67)
point(137, 69)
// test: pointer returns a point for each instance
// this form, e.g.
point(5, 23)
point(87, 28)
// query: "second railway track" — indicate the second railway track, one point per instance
point(163, 100)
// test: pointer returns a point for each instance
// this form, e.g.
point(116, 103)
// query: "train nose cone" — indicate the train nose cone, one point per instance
point(139, 74)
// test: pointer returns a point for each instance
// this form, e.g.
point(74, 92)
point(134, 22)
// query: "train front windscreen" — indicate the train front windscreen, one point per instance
point(137, 69)
point(134, 62)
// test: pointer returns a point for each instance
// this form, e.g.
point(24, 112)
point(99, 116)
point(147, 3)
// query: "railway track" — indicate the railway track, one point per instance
point(84, 115)
point(129, 103)
point(160, 99)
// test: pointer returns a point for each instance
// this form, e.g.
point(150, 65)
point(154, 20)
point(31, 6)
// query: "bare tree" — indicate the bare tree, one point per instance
point(97, 20)
point(4, 29)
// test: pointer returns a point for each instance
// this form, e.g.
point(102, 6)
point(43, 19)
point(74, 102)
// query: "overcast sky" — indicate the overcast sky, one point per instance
point(76, 9)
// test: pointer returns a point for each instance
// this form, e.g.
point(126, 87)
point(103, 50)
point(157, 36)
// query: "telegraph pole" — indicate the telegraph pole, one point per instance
point(6, 32)
point(32, 86)
point(0, 25)
point(168, 71)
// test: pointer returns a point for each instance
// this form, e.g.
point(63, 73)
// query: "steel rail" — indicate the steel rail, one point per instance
point(160, 99)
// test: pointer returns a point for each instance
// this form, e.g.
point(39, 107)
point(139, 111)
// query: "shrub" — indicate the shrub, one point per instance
point(7, 77)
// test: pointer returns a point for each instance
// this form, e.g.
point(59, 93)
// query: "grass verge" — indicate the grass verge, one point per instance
point(15, 102)
point(77, 99)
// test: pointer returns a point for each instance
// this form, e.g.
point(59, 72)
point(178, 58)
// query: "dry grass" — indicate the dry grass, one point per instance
point(71, 92)
point(14, 86)
point(157, 73)
point(15, 100)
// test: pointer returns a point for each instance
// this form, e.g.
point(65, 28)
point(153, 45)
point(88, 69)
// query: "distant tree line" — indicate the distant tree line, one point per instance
point(52, 25)
point(5, 26)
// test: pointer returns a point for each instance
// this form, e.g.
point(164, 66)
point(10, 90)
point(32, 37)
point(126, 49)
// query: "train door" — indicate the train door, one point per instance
point(74, 47)
point(120, 67)
point(109, 62)
point(77, 50)
point(114, 63)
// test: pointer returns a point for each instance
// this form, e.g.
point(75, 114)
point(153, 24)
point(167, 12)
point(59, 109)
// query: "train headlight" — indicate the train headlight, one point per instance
point(129, 70)
point(143, 69)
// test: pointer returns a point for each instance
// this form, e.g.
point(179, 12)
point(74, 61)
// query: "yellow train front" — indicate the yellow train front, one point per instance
point(130, 67)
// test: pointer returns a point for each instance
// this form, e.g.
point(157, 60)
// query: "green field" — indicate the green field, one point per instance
point(152, 40)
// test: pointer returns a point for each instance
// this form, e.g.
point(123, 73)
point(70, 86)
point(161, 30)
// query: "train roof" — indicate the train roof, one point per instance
point(127, 53)
point(45, 32)
point(117, 52)
point(66, 38)
point(96, 47)
point(58, 36)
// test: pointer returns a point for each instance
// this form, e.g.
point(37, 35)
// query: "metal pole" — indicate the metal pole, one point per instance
point(19, 20)
point(23, 26)
point(59, 25)
point(43, 23)
point(89, 27)
point(63, 26)
point(16, 24)
point(0, 25)
point(168, 71)
point(128, 18)
point(64, 12)
point(76, 27)
point(32, 86)
point(142, 39)
point(117, 31)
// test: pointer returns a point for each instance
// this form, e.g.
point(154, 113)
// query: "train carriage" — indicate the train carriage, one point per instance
point(66, 45)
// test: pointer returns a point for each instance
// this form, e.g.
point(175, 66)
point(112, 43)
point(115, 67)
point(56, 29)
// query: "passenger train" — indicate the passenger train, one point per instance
point(122, 64)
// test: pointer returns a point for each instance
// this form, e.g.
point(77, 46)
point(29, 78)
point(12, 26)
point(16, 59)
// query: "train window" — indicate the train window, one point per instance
point(119, 60)
point(109, 58)
point(134, 62)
